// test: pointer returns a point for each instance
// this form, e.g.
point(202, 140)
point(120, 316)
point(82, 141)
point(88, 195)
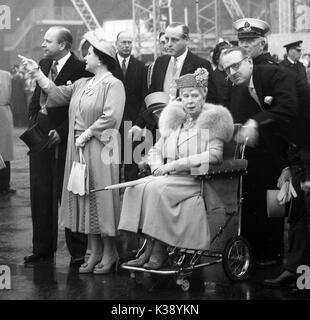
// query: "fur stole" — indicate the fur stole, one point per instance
point(217, 119)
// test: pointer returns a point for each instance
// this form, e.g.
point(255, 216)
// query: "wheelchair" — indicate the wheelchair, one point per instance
point(221, 189)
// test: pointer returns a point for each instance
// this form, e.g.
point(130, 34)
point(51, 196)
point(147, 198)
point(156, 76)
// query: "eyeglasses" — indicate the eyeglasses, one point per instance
point(235, 66)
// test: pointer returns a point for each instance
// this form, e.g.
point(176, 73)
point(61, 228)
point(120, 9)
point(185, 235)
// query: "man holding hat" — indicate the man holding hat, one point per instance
point(292, 62)
point(47, 165)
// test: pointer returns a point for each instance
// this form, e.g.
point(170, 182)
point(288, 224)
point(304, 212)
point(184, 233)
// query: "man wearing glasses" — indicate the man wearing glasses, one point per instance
point(280, 106)
point(292, 62)
point(267, 96)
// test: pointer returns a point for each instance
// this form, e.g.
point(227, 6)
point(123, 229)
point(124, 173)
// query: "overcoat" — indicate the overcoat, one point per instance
point(6, 117)
point(171, 208)
point(102, 109)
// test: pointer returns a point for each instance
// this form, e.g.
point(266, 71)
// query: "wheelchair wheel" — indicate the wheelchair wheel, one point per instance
point(184, 283)
point(237, 259)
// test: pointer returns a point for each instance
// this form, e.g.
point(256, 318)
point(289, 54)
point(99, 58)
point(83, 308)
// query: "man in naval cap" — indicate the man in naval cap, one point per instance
point(251, 36)
point(292, 61)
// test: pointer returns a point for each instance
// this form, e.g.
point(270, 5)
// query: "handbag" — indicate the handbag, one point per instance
point(2, 163)
point(78, 182)
point(274, 208)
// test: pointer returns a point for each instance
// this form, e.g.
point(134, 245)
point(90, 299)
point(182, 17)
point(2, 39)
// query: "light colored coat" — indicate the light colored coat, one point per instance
point(97, 213)
point(171, 208)
point(6, 117)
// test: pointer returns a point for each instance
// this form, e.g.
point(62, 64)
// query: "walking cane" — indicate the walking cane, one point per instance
point(55, 198)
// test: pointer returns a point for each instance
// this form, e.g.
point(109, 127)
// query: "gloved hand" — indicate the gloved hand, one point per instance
point(135, 133)
point(83, 138)
point(249, 133)
point(285, 176)
point(33, 68)
point(286, 193)
point(29, 64)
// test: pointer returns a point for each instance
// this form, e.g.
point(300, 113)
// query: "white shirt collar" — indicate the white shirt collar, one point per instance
point(290, 60)
point(251, 83)
point(181, 58)
point(120, 60)
point(62, 61)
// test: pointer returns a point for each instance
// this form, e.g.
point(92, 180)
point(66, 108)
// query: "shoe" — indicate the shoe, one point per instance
point(300, 293)
point(286, 278)
point(76, 261)
point(38, 258)
point(144, 258)
point(88, 267)
point(108, 267)
point(158, 257)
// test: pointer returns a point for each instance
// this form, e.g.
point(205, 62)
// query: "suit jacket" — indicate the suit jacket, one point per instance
point(288, 113)
point(135, 87)
point(73, 70)
point(297, 68)
point(191, 63)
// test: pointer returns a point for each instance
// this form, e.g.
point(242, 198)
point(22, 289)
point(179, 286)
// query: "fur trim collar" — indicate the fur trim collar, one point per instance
point(217, 119)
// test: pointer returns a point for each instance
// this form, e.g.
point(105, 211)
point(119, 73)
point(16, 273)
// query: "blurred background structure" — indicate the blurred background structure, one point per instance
point(209, 21)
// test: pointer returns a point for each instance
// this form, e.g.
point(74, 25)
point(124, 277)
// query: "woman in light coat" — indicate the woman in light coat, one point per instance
point(96, 107)
point(169, 207)
point(6, 132)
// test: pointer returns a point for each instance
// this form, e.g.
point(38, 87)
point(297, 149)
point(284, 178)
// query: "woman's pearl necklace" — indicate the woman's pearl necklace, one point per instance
point(189, 123)
point(92, 83)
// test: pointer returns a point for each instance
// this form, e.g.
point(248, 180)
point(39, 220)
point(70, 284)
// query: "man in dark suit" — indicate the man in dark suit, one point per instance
point(47, 166)
point(258, 85)
point(132, 72)
point(251, 37)
point(292, 63)
point(281, 108)
point(177, 61)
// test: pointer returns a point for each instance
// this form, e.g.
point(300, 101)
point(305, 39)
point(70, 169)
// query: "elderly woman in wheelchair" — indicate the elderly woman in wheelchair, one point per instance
point(168, 208)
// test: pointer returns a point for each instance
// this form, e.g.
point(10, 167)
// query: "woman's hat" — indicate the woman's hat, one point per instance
point(199, 79)
point(97, 39)
point(35, 139)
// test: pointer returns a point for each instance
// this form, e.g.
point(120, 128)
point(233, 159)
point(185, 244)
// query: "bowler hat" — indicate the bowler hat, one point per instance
point(35, 139)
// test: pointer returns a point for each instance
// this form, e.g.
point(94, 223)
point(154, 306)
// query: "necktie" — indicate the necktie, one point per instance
point(175, 68)
point(54, 71)
point(254, 95)
point(124, 68)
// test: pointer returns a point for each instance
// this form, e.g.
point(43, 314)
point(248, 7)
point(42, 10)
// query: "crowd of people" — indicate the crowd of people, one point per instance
point(78, 104)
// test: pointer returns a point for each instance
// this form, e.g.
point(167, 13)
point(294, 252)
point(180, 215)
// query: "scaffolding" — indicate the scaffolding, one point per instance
point(86, 14)
point(149, 18)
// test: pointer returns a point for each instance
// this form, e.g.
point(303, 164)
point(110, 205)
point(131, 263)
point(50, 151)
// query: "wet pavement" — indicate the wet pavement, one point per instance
point(60, 282)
